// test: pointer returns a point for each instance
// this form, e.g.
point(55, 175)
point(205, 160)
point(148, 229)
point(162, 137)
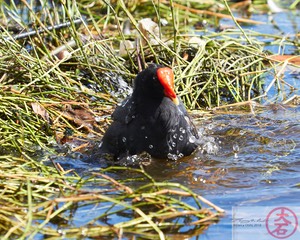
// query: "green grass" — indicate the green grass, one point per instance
point(217, 70)
point(47, 101)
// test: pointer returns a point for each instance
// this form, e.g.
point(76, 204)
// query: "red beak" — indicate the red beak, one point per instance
point(166, 78)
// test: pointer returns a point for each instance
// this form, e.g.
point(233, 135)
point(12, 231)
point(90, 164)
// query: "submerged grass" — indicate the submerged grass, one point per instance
point(58, 86)
point(47, 202)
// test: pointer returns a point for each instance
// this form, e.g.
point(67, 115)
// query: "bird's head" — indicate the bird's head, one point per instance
point(156, 81)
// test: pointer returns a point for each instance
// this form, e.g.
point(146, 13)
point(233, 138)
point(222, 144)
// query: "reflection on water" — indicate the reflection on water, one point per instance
point(257, 163)
point(277, 25)
point(264, 172)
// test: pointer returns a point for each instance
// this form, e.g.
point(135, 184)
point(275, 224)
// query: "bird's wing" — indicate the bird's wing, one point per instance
point(173, 117)
point(125, 112)
point(179, 128)
point(193, 128)
point(188, 119)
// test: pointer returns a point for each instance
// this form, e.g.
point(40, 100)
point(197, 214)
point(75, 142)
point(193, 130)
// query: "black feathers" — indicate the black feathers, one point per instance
point(149, 121)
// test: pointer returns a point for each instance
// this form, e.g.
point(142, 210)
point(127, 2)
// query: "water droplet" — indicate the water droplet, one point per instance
point(133, 116)
point(180, 138)
point(91, 135)
point(124, 139)
point(182, 130)
point(192, 139)
point(83, 231)
point(242, 132)
point(150, 146)
point(201, 131)
point(61, 232)
point(236, 148)
point(172, 156)
point(124, 102)
point(97, 118)
point(175, 136)
point(173, 144)
point(210, 147)
point(146, 137)
point(133, 158)
point(76, 155)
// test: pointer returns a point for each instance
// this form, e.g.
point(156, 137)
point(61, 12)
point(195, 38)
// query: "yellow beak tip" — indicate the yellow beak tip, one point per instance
point(176, 101)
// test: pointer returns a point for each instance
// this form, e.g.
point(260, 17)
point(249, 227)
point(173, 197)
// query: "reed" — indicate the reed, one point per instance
point(61, 74)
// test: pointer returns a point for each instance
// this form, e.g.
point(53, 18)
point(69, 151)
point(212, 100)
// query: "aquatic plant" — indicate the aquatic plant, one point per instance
point(58, 85)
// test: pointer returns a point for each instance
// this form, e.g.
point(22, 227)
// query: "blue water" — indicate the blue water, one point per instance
point(253, 161)
point(284, 24)
point(262, 174)
point(280, 37)
point(266, 169)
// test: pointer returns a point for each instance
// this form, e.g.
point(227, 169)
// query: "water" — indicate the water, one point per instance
point(257, 165)
point(264, 171)
point(258, 159)
point(280, 24)
point(278, 36)
point(257, 162)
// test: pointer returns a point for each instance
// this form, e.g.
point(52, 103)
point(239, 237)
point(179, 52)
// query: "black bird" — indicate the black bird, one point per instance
point(151, 120)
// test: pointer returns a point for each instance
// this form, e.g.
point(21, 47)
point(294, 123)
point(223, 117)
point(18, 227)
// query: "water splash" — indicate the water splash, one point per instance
point(192, 139)
point(235, 149)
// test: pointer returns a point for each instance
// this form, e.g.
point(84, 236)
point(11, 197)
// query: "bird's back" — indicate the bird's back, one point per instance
point(161, 129)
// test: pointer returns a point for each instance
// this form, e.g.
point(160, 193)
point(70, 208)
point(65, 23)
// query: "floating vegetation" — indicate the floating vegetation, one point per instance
point(47, 202)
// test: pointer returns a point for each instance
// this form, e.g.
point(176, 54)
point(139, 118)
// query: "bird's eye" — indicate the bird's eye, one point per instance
point(156, 82)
